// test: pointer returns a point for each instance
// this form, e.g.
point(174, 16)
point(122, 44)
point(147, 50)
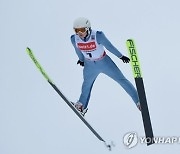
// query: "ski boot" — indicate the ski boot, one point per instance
point(80, 108)
point(138, 106)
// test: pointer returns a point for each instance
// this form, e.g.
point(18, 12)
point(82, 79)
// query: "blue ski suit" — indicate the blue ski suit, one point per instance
point(91, 52)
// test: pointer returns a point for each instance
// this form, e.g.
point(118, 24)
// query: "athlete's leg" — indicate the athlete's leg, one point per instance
point(114, 72)
point(90, 76)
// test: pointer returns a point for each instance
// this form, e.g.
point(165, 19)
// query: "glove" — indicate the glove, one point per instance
point(125, 59)
point(80, 63)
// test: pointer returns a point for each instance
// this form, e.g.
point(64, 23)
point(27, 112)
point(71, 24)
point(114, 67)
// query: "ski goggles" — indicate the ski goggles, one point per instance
point(82, 30)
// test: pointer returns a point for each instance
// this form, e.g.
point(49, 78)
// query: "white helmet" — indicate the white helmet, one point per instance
point(82, 23)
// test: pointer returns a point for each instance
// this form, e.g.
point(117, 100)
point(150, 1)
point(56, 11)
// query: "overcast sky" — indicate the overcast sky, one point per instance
point(35, 120)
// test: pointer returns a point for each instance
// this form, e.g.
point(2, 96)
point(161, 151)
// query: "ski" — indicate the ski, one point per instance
point(30, 53)
point(141, 90)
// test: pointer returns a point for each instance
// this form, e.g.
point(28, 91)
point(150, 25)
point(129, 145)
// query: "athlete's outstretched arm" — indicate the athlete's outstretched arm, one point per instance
point(102, 39)
point(78, 52)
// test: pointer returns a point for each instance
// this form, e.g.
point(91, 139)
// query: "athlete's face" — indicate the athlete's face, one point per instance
point(82, 35)
point(81, 32)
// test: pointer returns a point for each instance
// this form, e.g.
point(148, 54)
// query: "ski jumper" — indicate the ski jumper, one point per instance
point(91, 52)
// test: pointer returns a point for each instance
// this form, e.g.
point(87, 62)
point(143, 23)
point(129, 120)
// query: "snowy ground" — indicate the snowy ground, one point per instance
point(34, 119)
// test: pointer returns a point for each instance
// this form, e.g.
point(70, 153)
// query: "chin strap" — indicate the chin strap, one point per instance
point(88, 30)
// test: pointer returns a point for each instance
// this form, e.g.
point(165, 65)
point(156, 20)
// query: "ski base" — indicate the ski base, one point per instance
point(141, 91)
point(30, 53)
point(145, 111)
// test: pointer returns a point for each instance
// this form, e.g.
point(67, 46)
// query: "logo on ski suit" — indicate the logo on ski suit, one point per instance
point(90, 46)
